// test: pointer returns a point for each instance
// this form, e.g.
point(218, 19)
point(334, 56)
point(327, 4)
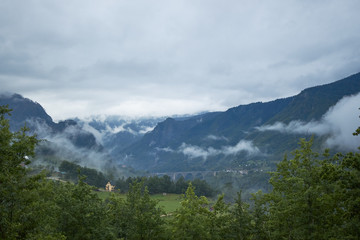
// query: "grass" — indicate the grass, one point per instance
point(105, 195)
point(169, 202)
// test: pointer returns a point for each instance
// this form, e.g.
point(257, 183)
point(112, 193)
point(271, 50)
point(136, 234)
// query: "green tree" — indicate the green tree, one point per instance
point(81, 215)
point(259, 218)
point(357, 131)
point(136, 217)
point(314, 197)
point(192, 219)
point(294, 204)
point(23, 212)
point(241, 220)
point(346, 191)
point(220, 219)
point(202, 188)
point(181, 185)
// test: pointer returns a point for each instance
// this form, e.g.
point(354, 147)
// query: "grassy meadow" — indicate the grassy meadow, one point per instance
point(169, 202)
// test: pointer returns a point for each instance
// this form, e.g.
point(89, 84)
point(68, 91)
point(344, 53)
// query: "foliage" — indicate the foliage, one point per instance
point(313, 196)
point(164, 184)
point(82, 215)
point(73, 171)
point(136, 217)
point(241, 223)
point(23, 213)
point(192, 219)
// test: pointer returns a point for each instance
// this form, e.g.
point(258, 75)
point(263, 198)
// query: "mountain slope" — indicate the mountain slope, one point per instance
point(312, 103)
point(24, 109)
point(66, 140)
point(230, 139)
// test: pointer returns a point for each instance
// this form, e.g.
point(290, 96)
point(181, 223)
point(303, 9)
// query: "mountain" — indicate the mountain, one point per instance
point(65, 140)
point(32, 114)
point(246, 136)
point(251, 137)
point(24, 110)
point(94, 142)
point(116, 133)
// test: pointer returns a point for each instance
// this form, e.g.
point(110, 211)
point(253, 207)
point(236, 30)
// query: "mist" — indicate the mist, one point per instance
point(63, 146)
point(192, 151)
point(338, 123)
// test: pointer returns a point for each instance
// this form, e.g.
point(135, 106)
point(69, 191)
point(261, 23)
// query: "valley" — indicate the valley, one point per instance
point(212, 146)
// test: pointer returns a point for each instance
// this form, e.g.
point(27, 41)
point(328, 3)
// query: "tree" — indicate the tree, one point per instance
point(181, 185)
point(81, 215)
point(137, 217)
point(357, 131)
point(202, 188)
point(314, 197)
point(192, 219)
point(259, 219)
point(221, 220)
point(295, 208)
point(23, 213)
point(346, 175)
point(241, 224)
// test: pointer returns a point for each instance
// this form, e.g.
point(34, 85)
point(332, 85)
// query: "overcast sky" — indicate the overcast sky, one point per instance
point(164, 57)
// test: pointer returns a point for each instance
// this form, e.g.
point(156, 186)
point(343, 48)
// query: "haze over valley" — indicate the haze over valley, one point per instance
point(249, 138)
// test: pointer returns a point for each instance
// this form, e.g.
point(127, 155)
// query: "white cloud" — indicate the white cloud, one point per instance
point(79, 58)
point(339, 122)
point(195, 151)
point(216, 138)
point(65, 148)
point(99, 135)
point(243, 145)
point(146, 129)
point(167, 149)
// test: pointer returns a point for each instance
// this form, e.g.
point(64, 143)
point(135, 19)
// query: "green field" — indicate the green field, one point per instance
point(169, 202)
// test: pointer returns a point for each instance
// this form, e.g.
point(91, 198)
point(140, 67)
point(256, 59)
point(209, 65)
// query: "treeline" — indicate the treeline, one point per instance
point(164, 184)
point(313, 196)
point(72, 171)
point(154, 184)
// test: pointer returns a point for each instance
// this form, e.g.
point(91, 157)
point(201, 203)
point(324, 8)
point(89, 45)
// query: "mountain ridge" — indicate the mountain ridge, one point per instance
point(161, 148)
point(208, 141)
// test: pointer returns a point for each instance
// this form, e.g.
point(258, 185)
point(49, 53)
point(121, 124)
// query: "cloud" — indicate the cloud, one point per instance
point(243, 145)
point(216, 138)
point(80, 58)
point(167, 149)
point(62, 145)
point(339, 122)
point(298, 127)
point(146, 129)
point(196, 151)
point(99, 135)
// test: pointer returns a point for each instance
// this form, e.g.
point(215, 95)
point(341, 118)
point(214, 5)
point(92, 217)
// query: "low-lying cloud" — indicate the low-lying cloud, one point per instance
point(61, 145)
point(339, 122)
point(195, 151)
point(104, 128)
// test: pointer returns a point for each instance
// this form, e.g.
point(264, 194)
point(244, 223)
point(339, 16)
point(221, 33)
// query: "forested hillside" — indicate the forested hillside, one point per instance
point(254, 133)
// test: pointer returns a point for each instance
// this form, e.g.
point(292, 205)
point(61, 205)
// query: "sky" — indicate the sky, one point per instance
point(159, 58)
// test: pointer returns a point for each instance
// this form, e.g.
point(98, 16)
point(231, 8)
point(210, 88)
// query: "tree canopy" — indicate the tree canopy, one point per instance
point(313, 196)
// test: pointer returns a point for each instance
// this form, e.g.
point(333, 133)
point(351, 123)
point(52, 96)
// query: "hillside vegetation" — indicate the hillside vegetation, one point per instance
point(313, 196)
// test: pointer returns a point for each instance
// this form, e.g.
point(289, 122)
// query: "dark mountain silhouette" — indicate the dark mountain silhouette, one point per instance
point(23, 110)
